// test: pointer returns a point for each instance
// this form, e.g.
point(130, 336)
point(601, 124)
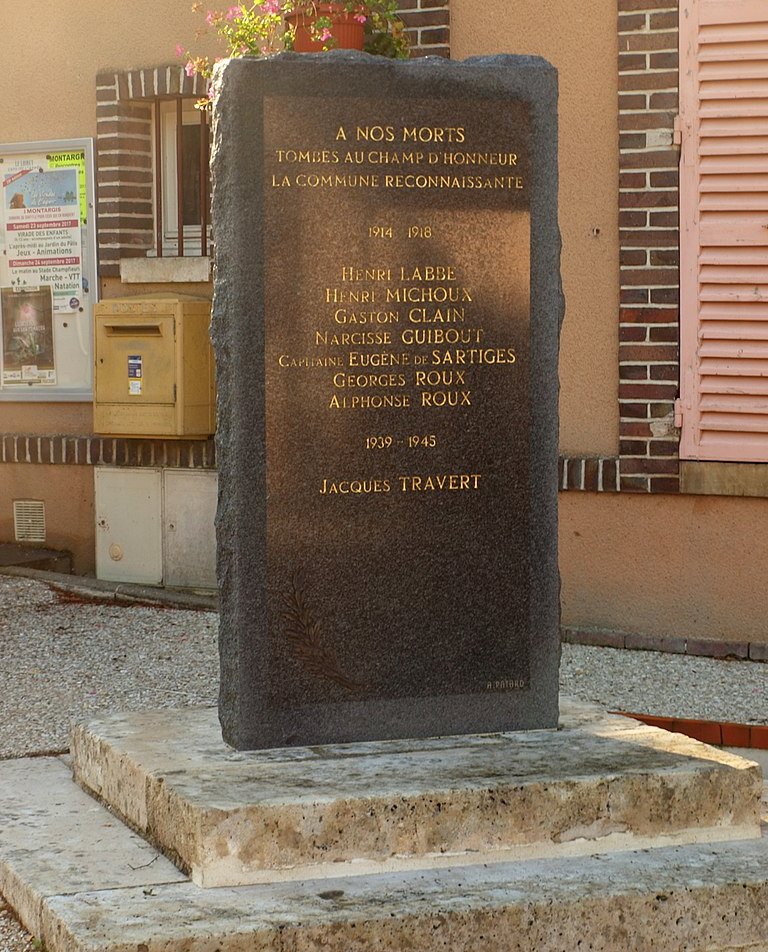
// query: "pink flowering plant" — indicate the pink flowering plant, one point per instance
point(259, 28)
point(384, 30)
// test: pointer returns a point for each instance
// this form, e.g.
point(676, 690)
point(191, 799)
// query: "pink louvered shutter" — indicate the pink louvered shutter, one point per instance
point(724, 229)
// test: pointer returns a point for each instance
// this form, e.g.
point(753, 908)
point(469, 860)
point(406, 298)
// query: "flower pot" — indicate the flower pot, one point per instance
point(348, 33)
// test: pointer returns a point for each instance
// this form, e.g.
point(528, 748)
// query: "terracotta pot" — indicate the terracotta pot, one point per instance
point(347, 32)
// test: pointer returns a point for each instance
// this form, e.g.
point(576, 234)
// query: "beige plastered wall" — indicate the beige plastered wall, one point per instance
point(52, 50)
point(691, 566)
point(69, 506)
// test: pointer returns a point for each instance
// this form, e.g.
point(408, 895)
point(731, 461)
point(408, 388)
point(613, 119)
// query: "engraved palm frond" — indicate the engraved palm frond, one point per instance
point(304, 636)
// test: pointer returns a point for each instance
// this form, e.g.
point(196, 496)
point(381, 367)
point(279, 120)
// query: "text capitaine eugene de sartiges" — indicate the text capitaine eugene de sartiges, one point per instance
point(400, 150)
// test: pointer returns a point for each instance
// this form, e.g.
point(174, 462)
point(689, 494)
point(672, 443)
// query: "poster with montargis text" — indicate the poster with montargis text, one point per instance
point(41, 238)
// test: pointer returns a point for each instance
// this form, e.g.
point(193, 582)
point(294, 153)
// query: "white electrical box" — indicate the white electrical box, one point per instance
point(129, 525)
point(189, 536)
point(156, 526)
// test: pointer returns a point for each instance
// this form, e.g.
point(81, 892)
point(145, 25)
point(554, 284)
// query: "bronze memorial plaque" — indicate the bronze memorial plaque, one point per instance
point(395, 342)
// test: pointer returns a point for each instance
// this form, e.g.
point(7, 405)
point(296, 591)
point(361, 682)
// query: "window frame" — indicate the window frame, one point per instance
point(166, 144)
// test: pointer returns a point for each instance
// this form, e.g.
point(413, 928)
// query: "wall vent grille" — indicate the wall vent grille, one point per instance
point(29, 520)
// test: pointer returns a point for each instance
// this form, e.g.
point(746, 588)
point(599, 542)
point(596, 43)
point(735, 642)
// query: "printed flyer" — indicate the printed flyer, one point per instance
point(28, 345)
point(42, 210)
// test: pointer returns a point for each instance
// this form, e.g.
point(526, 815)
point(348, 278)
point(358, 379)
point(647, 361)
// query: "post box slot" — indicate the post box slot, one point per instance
point(133, 330)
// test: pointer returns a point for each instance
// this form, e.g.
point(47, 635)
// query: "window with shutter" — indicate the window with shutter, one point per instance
point(724, 230)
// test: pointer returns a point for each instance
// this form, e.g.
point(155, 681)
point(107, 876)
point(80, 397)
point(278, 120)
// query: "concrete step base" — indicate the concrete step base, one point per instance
point(230, 818)
point(81, 881)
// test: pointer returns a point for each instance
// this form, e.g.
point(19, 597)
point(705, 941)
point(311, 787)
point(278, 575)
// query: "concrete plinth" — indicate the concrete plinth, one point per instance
point(604, 835)
point(232, 818)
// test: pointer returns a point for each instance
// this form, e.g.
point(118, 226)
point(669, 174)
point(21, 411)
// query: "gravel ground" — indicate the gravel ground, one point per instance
point(65, 658)
point(13, 938)
point(648, 682)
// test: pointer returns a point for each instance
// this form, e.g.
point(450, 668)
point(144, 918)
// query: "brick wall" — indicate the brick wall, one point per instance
point(124, 163)
point(592, 474)
point(428, 23)
point(648, 222)
point(106, 450)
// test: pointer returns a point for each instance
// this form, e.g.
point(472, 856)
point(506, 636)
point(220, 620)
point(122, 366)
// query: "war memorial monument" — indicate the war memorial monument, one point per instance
point(395, 771)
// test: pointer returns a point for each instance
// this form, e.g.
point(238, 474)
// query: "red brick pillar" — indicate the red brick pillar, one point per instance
point(648, 223)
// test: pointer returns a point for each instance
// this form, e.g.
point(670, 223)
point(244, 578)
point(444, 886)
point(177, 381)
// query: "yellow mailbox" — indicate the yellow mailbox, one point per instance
point(154, 367)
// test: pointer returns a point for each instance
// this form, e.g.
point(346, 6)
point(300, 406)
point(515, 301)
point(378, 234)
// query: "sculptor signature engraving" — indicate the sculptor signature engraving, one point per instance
point(304, 636)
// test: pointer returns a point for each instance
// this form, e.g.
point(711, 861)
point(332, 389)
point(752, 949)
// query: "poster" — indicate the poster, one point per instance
point(43, 243)
point(74, 159)
point(28, 336)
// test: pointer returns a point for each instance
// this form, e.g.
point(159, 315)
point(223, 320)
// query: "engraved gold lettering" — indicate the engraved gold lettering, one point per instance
point(366, 274)
point(373, 401)
point(368, 380)
point(450, 482)
point(446, 398)
point(423, 181)
point(379, 442)
point(488, 355)
point(439, 378)
point(378, 359)
point(438, 335)
point(439, 315)
point(429, 272)
point(384, 158)
point(285, 360)
point(432, 134)
point(336, 180)
point(311, 156)
point(344, 296)
point(480, 158)
point(413, 294)
point(375, 134)
point(507, 684)
point(355, 339)
point(354, 487)
point(342, 316)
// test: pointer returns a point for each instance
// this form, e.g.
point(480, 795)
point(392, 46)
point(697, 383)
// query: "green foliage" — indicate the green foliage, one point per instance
point(259, 28)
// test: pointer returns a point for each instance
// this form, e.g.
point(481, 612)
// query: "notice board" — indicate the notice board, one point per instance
point(47, 270)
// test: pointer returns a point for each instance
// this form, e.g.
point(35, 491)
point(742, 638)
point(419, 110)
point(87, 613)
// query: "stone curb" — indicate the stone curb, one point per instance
point(120, 592)
point(637, 641)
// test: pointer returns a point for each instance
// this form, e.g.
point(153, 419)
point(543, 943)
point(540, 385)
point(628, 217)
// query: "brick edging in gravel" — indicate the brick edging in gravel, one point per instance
point(719, 733)
point(700, 647)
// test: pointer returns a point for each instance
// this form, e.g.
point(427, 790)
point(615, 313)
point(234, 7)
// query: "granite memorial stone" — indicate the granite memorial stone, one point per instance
point(386, 322)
